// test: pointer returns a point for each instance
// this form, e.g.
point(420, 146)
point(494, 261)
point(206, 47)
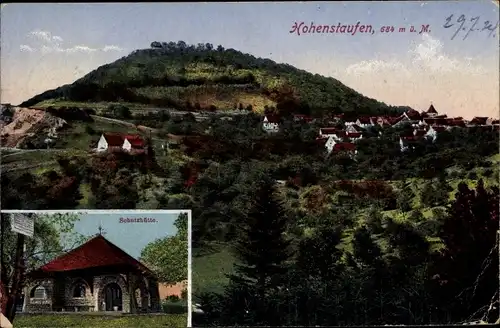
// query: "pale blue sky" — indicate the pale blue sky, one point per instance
point(459, 76)
point(131, 237)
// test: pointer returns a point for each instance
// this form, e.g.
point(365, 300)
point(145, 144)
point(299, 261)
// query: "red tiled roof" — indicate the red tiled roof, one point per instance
point(383, 121)
point(419, 133)
point(97, 252)
point(114, 139)
point(394, 120)
point(432, 110)
point(321, 141)
point(353, 134)
point(455, 122)
point(436, 121)
point(328, 130)
point(364, 120)
point(439, 128)
point(413, 114)
point(357, 127)
point(347, 146)
point(135, 140)
point(117, 139)
point(479, 120)
point(302, 117)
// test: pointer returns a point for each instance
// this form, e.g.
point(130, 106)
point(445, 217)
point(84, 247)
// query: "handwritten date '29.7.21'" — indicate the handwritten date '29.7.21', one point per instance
point(469, 25)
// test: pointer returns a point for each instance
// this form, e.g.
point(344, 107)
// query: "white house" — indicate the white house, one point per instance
point(331, 132)
point(271, 123)
point(404, 119)
point(354, 128)
point(354, 136)
point(364, 122)
point(433, 132)
point(327, 132)
point(112, 141)
point(330, 143)
point(403, 143)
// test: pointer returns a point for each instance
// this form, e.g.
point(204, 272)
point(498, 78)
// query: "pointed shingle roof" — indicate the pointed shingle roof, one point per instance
point(432, 110)
point(97, 252)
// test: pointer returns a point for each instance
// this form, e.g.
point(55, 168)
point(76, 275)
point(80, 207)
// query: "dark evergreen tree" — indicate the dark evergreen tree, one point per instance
point(442, 191)
point(465, 275)
point(405, 197)
point(319, 269)
point(427, 194)
point(371, 279)
point(263, 254)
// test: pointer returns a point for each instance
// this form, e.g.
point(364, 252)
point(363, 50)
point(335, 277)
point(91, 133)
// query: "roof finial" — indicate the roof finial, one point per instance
point(101, 230)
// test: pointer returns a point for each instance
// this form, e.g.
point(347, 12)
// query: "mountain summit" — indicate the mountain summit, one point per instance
point(181, 76)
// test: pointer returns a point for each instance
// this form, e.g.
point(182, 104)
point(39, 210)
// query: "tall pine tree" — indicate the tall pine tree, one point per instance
point(263, 253)
point(466, 273)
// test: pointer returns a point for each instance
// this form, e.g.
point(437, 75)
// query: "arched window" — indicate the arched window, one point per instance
point(38, 292)
point(79, 290)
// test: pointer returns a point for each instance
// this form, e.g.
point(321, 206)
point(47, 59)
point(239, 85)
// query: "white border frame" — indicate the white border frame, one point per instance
point(190, 253)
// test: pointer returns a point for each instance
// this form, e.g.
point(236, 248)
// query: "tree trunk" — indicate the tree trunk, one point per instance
point(17, 281)
point(3, 267)
point(3, 271)
point(131, 292)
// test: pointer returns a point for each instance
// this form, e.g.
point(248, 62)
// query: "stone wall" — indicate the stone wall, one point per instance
point(39, 304)
point(60, 294)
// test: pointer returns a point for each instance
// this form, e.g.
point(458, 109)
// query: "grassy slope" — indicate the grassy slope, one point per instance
point(37, 161)
point(76, 136)
point(97, 106)
point(205, 278)
point(209, 271)
point(87, 321)
point(72, 141)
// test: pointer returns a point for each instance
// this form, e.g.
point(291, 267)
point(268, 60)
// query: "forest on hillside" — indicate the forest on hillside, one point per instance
point(383, 238)
point(178, 75)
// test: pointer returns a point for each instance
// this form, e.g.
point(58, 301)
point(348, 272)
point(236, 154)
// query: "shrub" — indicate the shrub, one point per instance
point(173, 298)
point(472, 175)
point(177, 307)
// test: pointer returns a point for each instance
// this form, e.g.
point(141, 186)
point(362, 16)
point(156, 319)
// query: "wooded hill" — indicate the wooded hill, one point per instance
point(182, 76)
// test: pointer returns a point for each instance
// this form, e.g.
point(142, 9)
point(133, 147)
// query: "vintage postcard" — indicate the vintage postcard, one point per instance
point(341, 159)
point(96, 268)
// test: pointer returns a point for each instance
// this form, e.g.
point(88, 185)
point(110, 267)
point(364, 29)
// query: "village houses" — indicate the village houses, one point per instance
point(121, 142)
point(426, 124)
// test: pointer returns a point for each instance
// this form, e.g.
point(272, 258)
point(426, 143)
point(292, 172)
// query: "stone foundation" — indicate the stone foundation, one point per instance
point(80, 294)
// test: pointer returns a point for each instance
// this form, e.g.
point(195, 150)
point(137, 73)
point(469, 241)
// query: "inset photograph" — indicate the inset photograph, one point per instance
point(95, 268)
